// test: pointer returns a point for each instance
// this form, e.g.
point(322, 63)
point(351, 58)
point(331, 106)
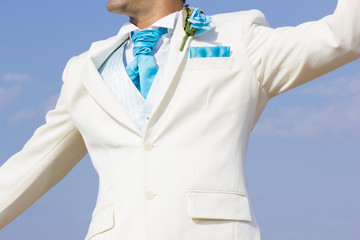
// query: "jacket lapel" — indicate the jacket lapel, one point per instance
point(175, 60)
point(96, 86)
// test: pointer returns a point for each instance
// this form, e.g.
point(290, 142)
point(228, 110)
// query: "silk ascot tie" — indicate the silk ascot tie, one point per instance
point(142, 69)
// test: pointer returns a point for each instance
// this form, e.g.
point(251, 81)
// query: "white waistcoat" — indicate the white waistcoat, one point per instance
point(115, 76)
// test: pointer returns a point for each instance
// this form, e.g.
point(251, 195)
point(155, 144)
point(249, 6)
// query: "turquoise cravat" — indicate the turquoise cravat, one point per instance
point(142, 69)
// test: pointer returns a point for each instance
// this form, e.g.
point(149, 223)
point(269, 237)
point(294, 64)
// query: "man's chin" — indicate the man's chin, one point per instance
point(114, 8)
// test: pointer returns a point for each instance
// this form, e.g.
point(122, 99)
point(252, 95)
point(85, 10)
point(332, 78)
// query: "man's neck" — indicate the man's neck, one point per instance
point(146, 20)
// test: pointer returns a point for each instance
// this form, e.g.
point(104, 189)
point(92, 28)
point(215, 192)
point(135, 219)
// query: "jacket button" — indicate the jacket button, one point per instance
point(148, 146)
point(149, 195)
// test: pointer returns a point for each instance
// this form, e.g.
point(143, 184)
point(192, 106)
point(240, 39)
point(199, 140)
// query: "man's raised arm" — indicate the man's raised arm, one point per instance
point(286, 57)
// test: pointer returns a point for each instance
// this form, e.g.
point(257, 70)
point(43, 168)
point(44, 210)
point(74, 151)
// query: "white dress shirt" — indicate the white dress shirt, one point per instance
point(115, 76)
point(162, 46)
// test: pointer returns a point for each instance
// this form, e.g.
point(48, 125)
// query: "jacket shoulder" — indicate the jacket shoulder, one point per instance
point(244, 19)
point(79, 59)
point(82, 58)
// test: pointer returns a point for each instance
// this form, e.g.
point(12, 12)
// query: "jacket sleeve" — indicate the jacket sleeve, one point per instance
point(53, 150)
point(286, 57)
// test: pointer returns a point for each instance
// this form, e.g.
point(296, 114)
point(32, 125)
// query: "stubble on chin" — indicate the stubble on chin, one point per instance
point(117, 6)
point(129, 7)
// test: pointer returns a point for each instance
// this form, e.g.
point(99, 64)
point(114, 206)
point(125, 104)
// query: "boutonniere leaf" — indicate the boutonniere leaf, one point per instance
point(195, 23)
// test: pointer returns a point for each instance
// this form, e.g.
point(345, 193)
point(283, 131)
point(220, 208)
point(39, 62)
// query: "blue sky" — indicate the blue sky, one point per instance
point(303, 157)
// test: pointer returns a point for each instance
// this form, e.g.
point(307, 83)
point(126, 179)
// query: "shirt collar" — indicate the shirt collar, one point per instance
point(168, 22)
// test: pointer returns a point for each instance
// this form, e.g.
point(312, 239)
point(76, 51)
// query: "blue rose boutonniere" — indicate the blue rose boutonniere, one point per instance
point(195, 23)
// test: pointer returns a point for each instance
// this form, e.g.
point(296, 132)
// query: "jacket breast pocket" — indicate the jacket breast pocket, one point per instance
point(210, 63)
point(208, 205)
point(101, 223)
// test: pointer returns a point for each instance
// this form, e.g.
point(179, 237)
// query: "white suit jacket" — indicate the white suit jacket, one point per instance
point(183, 179)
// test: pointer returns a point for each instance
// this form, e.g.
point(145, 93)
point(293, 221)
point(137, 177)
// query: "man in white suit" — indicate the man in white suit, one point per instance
point(171, 162)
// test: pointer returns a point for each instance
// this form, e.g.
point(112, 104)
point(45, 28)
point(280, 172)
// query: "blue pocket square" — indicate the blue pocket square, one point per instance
point(206, 52)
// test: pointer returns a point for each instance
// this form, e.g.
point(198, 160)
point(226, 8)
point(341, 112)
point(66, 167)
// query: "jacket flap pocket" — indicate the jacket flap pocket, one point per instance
point(101, 222)
point(218, 205)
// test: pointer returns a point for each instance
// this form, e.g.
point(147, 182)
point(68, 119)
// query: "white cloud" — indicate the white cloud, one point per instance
point(49, 103)
point(337, 118)
point(13, 87)
point(16, 77)
point(21, 116)
point(313, 232)
point(341, 87)
point(290, 234)
point(29, 114)
point(7, 94)
point(339, 223)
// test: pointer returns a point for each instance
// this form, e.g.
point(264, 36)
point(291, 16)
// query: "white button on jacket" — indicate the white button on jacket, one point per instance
point(149, 195)
point(148, 146)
